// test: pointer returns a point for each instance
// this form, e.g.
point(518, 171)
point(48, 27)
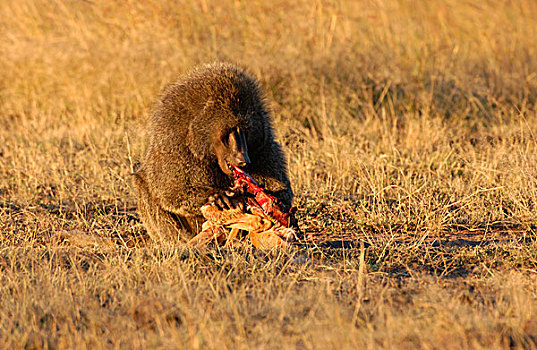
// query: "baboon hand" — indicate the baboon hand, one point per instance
point(223, 200)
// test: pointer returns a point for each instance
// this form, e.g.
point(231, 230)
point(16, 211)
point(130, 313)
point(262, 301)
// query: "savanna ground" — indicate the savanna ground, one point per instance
point(410, 133)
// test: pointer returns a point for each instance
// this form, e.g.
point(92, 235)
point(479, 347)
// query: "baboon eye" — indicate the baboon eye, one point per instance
point(225, 137)
point(229, 136)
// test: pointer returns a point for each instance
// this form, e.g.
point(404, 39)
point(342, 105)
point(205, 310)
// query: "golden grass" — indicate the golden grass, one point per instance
point(409, 126)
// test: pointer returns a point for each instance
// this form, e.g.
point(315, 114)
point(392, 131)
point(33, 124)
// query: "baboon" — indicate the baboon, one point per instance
point(212, 118)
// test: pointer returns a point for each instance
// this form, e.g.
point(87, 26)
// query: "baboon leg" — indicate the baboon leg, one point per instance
point(193, 223)
point(161, 225)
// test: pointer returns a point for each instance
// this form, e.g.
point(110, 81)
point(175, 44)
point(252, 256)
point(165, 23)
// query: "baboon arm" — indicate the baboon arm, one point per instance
point(270, 170)
point(188, 203)
point(178, 184)
point(280, 190)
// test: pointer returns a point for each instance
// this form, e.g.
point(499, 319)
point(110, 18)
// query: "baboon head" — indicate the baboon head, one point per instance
point(231, 148)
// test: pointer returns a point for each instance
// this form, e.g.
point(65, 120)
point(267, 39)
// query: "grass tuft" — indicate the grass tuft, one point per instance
point(410, 132)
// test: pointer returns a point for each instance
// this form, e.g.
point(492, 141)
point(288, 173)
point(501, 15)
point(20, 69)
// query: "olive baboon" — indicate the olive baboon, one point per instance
point(207, 120)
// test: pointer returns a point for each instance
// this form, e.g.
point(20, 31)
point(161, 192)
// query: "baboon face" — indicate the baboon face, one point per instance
point(231, 149)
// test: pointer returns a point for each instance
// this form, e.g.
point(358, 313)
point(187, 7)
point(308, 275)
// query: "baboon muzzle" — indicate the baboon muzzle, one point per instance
point(241, 160)
point(232, 149)
point(239, 148)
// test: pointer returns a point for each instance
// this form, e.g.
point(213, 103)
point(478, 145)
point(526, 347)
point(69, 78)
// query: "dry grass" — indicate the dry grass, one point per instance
point(410, 128)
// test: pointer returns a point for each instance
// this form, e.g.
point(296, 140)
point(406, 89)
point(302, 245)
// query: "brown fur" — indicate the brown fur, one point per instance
point(181, 168)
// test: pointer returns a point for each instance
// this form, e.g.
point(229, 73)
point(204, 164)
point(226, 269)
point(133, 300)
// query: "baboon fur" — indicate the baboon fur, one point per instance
point(180, 170)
